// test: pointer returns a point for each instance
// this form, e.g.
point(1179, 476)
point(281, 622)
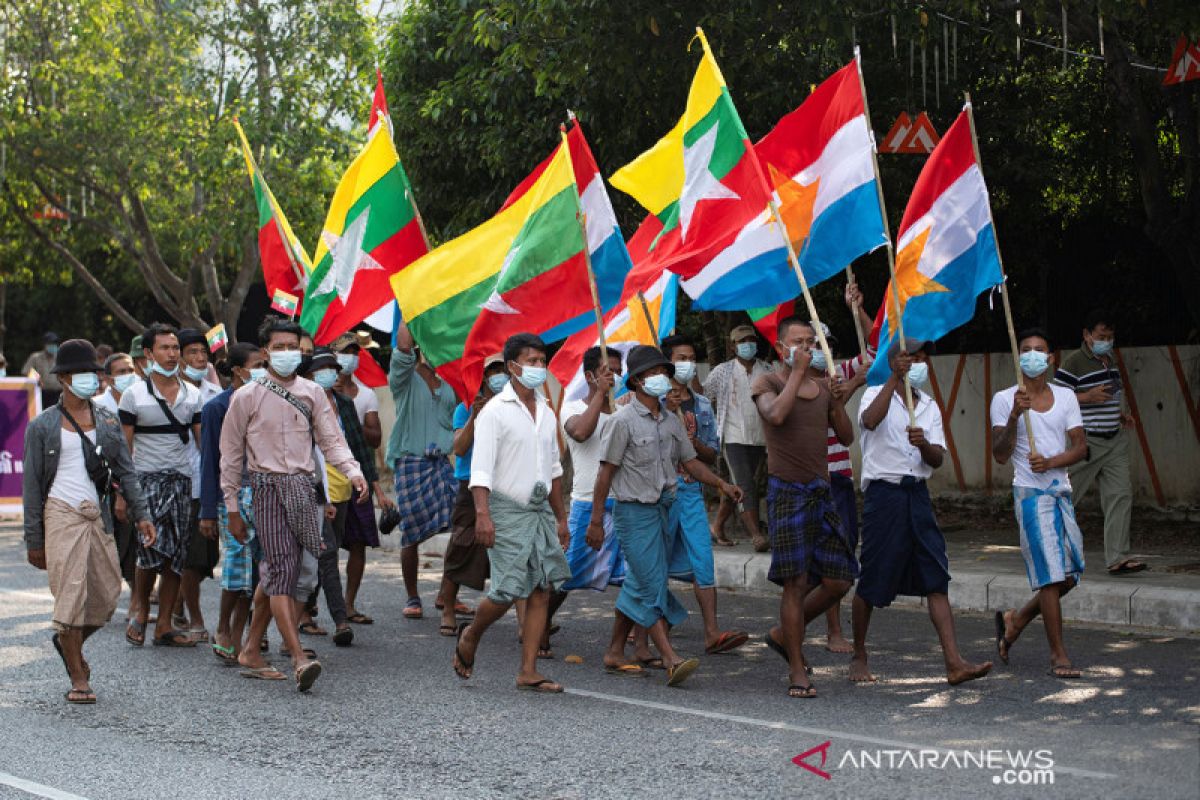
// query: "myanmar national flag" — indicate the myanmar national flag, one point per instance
point(702, 180)
point(371, 233)
point(285, 263)
point(522, 270)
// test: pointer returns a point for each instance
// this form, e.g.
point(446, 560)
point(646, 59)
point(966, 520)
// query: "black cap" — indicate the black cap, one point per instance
point(644, 357)
point(188, 336)
point(323, 358)
point(50, 337)
point(75, 355)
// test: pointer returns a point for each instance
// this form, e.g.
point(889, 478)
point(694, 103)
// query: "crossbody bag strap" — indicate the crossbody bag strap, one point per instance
point(91, 456)
point(276, 389)
point(177, 426)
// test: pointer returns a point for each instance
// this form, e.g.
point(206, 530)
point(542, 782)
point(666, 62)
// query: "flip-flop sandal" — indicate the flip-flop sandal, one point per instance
point(447, 630)
point(553, 630)
point(359, 618)
point(652, 663)
point(180, 621)
point(782, 652)
point(135, 627)
point(624, 670)
point(729, 640)
point(85, 698)
point(312, 629)
point(198, 634)
point(463, 610)
point(174, 639)
point(308, 652)
point(544, 686)
point(802, 692)
point(263, 674)
point(58, 646)
point(459, 661)
point(1003, 646)
point(307, 674)
point(224, 655)
point(679, 673)
point(1065, 672)
point(343, 637)
point(545, 653)
point(412, 609)
point(1128, 568)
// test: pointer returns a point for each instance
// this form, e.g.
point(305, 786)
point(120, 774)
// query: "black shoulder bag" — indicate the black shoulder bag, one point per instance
point(94, 461)
point(180, 429)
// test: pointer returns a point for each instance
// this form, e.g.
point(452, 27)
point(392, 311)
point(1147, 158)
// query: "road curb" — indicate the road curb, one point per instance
point(1099, 599)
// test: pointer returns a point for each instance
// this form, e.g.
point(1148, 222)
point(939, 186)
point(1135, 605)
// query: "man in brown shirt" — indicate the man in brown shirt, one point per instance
point(272, 426)
point(802, 520)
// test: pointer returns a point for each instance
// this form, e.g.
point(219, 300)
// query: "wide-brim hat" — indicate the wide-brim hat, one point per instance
point(741, 332)
point(644, 357)
point(345, 343)
point(493, 360)
point(323, 358)
point(75, 355)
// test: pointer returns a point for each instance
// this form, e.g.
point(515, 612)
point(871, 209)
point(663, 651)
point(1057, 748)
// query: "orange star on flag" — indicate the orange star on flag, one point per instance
point(796, 203)
point(910, 281)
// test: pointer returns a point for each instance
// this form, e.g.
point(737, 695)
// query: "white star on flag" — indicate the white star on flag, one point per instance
point(348, 257)
point(495, 302)
point(699, 183)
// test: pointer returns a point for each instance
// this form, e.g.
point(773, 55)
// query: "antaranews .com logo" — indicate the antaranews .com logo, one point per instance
point(1008, 767)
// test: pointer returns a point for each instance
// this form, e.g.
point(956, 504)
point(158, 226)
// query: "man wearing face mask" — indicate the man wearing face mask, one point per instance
point(811, 556)
point(42, 362)
point(1050, 539)
point(270, 430)
point(203, 548)
point(118, 367)
point(161, 418)
point(519, 514)
point(362, 531)
point(903, 549)
point(690, 557)
point(642, 451)
point(419, 452)
point(1093, 375)
point(740, 429)
point(67, 522)
point(466, 561)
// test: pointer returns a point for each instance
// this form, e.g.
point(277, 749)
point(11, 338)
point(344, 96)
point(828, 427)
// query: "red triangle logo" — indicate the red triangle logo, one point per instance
point(921, 138)
point(896, 136)
point(1185, 63)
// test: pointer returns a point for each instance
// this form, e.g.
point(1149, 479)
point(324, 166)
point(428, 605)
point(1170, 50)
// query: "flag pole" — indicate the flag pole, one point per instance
point(1008, 317)
point(783, 232)
point(587, 260)
point(641, 298)
point(894, 288)
point(862, 340)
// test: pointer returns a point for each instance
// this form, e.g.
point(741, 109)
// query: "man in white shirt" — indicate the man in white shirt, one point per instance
point(903, 550)
point(1050, 538)
point(728, 389)
point(118, 369)
point(516, 482)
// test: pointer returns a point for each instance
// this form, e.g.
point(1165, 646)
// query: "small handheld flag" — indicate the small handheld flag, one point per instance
point(216, 337)
point(285, 303)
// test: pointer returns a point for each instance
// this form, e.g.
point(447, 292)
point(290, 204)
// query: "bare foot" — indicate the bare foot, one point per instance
point(859, 673)
point(838, 644)
point(464, 653)
point(251, 658)
point(967, 672)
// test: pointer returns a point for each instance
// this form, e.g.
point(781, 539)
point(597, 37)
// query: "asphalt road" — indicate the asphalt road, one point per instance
point(389, 719)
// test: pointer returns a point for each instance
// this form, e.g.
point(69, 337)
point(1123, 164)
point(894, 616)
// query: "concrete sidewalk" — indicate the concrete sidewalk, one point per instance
point(992, 578)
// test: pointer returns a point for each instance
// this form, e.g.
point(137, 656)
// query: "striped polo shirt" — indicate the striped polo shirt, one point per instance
point(1080, 371)
point(156, 445)
point(839, 454)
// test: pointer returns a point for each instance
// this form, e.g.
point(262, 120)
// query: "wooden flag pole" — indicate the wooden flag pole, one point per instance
point(894, 288)
point(808, 301)
point(1008, 317)
point(862, 341)
point(641, 298)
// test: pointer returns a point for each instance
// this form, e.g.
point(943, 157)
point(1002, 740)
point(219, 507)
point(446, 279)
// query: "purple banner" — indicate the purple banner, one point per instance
point(20, 402)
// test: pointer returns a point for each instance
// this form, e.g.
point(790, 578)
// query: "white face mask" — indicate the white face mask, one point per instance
point(918, 374)
point(747, 350)
point(348, 362)
point(123, 382)
point(685, 371)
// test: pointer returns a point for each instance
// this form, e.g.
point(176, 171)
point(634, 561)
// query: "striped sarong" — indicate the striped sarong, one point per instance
point(425, 490)
point(287, 520)
point(169, 497)
point(1051, 541)
point(526, 555)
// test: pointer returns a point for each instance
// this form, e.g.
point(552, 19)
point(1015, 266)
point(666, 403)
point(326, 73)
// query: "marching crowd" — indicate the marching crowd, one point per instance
point(155, 466)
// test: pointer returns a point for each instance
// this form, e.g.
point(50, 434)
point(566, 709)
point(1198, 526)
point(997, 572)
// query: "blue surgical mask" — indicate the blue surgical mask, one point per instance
point(348, 362)
point(1102, 347)
point(285, 362)
point(790, 358)
point(84, 385)
point(657, 385)
point(918, 374)
point(325, 378)
point(52, 349)
point(258, 373)
point(532, 377)
point(818, 360)
point(195, 373)
point(1034, 363)
point(166, 373)
point(685, 371)
point(747, 350)
point(497, 382)
point(123, 382)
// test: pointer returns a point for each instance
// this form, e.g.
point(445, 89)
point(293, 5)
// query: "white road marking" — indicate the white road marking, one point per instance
point(37, 789)
point(787, 726)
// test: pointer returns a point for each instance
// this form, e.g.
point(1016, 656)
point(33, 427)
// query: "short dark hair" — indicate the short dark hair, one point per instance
point(519, 343)
point(669, 344)
point(592, 357)
point(155, 330)
point(274, 324)
point(1040, 333)
point(112, 359)
point(788, 322)
point(1099, 316)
